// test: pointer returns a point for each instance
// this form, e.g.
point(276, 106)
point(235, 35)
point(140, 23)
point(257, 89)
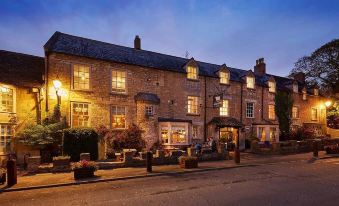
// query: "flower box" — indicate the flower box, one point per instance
point(83, 173)
point(188, 162)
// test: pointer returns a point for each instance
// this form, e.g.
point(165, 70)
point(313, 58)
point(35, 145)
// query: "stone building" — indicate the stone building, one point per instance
point(176, 101)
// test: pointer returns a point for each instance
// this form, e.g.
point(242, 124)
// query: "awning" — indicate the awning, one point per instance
point(226, 122)
point(147, 97)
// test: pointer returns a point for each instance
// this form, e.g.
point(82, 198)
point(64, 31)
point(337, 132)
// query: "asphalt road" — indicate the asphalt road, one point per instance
point(298, 183)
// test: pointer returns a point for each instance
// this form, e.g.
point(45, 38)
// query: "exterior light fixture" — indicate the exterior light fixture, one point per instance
point(57, 86)
point(328, 103)
point(4, 89)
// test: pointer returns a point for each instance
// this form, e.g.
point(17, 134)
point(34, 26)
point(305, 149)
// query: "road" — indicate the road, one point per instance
point(297, 183)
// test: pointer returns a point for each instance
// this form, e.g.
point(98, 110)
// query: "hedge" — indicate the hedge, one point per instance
point(80, 140)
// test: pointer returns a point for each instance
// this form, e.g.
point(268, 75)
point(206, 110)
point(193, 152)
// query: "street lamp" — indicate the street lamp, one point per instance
point(57, 86)
point(328, 103)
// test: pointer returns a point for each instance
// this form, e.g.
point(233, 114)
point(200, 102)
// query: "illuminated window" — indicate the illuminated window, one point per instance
point(80, 114)
point(192, 72)
point(304, 95)
point(271, 111)
point(81, 77)
point(164, 135)
point(250, 82)
point(192, 105)
point(295, 88)
point(295, 112)
point(149, 110)
point(223, 110)
point(224, 77)
point(118, 117)
point(6, 99)
point(262, 134)
point(314, 114)
point(118, 81)
point(6, 134)
point(250, 110)
point(271, 86)
point(316, 92)
point(178, 135)
point(273, 134)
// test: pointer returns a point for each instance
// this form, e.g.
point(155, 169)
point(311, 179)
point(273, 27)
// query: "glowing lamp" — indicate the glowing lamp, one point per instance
point(328, 103)
point(57, 84)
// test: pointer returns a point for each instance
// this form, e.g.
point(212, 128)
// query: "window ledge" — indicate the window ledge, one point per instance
point(224, 84)
point(193, 80)
point(119, 93)
point(192, 114)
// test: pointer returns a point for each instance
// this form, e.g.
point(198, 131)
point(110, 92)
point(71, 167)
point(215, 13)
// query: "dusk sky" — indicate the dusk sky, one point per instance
point(232, 32)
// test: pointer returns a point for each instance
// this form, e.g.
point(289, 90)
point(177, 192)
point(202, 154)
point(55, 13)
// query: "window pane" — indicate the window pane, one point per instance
point(80, 114)
point(6, 97)
point(118, 117)
point(81, 77)
point(249, 109)
point(118, 81)
point(224, 108)
point(192, 105)
point(192, 72)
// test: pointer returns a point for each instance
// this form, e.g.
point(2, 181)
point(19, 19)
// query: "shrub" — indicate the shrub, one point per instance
point(302, 133)
point(80, 140)
point(84, 164)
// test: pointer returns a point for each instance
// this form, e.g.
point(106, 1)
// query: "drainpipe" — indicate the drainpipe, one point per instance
point(46, 81)
point(205, 108)
point(241, 94)
point(262, 103)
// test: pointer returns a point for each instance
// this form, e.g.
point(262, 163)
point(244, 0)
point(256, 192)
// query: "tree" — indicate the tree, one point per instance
point(283, 110)
point(321, 67)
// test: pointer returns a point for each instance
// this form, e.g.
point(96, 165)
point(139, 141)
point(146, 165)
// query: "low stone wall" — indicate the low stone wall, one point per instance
point(288, 147)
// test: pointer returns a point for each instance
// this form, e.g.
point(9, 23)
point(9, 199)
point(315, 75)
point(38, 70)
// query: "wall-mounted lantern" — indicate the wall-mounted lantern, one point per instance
point(57, 86)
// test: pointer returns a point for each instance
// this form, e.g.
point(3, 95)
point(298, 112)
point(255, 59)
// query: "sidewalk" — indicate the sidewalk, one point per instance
point(63, 179)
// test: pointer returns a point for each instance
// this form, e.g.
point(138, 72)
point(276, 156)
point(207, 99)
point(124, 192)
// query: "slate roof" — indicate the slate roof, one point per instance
point(226, 122)
point(147, 97)
point(21, 69)
point(79, 46)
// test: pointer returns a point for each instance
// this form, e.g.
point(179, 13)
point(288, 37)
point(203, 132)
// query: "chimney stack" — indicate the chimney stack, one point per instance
point(137, 42)
point(300, 76)
point(260, 67)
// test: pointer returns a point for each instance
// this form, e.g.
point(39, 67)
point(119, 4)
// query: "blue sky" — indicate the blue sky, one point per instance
point(235, 32)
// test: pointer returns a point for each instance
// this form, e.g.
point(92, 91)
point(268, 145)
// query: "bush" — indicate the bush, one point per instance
point(84, 164)
point(302, 133)
point(80, 140)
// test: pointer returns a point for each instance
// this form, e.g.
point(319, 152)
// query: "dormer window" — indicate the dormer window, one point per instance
point(224, 77)
point(250, 82)
point(192, 72)
point(271, 86)
point(316, 91)
point(304, 94)
point(295, 87)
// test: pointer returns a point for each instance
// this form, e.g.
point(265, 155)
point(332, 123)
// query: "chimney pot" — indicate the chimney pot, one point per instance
point(260, 67)
point(137, 42)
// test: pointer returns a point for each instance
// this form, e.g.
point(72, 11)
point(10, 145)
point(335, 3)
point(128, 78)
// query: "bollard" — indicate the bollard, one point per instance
point(237, 155)
point(11, 173)
point(149, 157)
point(315, 148)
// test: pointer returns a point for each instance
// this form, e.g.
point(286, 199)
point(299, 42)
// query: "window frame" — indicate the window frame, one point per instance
point(6, 137)
point(111, 117)
point(227, 77)
point(295, 112)
point(197, 105)
point(223, 110)
point(147, 113)
point(188, 72)
point(117, 90)
point(274, 86)
point(247, 82)
point(246, 110)
point(89, 77)
point(89, 113)
point(13, 99)
point(316, 114)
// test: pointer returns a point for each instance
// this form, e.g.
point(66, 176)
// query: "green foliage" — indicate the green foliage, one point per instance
point(283, 110)
point(80, 140)
point(42, 135)
point(321, 67)
point(83, 164)
point(333, 115)
point(302, 133)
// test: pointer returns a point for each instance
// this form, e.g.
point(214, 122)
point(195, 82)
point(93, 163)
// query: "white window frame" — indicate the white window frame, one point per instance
point(193, 106)
point(5, 135)
point(295, 112)
point(73, 78)
point(250, 82)
point(224, 109)
point(192, 72)
point(270, 115)
point(272, 86)
point(89, 114)
point(314, 118)
point(195, 132)
point(4, 89)
point(224, 77)
point(247, 111)
point(170, 128)
point(116, 113)
point(114, 81)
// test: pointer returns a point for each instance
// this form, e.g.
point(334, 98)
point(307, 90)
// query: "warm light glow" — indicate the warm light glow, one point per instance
point(4, 89)
point(57, 84)
point(328, 103)
point(61, 93)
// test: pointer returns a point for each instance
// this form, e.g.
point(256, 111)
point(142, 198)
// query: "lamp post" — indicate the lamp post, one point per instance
point(57, 86)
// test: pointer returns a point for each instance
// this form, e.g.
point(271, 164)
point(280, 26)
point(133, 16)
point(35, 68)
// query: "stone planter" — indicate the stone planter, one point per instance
point(80, 173)
point(188, 162)
point(61, 165)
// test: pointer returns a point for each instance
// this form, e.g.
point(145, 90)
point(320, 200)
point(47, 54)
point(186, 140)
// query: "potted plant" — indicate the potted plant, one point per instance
point(84, 169)
point(188, 162)
point(2, 176)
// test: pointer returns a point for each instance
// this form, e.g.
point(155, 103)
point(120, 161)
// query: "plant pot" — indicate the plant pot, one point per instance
point(83, 173)
point(188, 163)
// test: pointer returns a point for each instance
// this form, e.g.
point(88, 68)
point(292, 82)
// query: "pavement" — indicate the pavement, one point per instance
point(301, 182)
point(48, 180)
